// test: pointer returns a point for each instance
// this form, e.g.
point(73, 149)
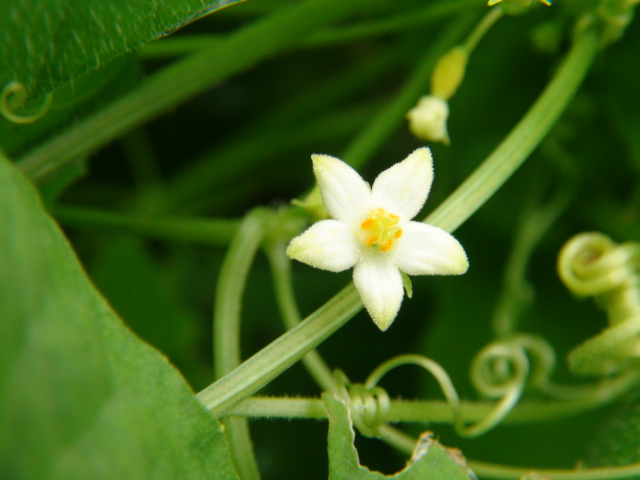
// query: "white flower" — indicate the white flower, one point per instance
point(428, 119)
point(371, 231)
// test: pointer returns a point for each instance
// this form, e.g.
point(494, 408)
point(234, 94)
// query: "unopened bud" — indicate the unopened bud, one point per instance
point(428, 119)
point(448, 73)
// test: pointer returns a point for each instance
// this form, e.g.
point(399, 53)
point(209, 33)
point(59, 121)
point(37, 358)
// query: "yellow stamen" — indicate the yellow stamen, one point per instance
point(386, 246)
point(368, 223)
point(380, 229)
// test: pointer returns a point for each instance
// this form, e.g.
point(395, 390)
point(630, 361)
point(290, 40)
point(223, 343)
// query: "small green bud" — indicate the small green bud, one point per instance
point(448, 73)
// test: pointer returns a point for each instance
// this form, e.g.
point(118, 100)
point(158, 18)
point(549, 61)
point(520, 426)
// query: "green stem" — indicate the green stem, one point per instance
point(278, 356)
point(230, 288)
point(482, 28)
point(285, 297)
point(187, 78)
point(217, 232)
point(226, 328)
point(421, 411)
point(522, 140)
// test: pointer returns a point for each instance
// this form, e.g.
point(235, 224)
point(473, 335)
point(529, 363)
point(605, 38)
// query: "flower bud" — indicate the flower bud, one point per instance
point(448, 73)
point(428, 119)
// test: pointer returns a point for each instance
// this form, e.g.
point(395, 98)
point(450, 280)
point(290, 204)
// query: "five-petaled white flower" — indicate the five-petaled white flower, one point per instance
point(372, 231)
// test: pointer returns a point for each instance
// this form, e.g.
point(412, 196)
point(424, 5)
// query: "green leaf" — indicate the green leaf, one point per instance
point(80, 396)
point(46, 43)
point(431, 460)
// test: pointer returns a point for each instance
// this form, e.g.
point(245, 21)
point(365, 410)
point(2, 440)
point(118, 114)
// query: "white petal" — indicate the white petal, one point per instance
point(345, 195)
point(380, 286)
point(428, 250)
point(328, 244)
point(403, 188)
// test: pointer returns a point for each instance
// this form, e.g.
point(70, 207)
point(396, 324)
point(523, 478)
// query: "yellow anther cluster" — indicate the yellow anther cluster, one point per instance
point(381, 229)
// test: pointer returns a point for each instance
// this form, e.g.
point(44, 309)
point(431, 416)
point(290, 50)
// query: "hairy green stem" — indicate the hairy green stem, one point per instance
point(226, 328)
point(278, 356)
point(187, 78)
point(285, 297)
point(420, 411)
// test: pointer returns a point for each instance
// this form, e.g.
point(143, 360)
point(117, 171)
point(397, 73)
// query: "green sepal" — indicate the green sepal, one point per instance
point(406, 283)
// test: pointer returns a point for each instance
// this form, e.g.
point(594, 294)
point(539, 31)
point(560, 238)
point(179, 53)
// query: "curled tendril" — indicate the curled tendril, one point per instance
point(591, 264)
point(504, 369)
point(14, 97)
point(369, 407)
point(434, 368)
point(500, 370)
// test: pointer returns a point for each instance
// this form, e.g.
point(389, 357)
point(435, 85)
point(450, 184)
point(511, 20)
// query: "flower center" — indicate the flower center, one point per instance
point(380, 229)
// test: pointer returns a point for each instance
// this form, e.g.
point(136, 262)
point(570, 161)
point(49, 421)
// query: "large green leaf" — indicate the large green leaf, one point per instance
point(45, 43)
point(80, 396)
point(431, 460)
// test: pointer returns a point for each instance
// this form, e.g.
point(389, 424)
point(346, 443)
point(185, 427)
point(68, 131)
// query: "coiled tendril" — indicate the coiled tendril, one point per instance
point(14, 97)
point(368, 406)
point(591, 264)
point(500, 370)
point(504, 369)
